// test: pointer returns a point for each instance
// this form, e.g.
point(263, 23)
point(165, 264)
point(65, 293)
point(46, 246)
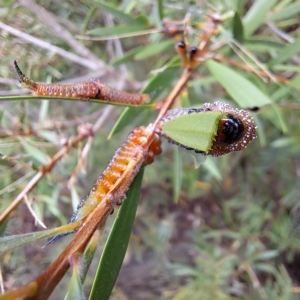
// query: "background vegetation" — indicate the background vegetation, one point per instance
point(206, 228)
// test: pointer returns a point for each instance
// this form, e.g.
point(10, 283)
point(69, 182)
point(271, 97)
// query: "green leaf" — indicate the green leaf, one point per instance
point(44, 110)
point(284, 13)
point(263, 43)
point(284, 142)
point(161, 80)
point(89, 253)
point(75, 291)
point(115, 12)
point(177, 174)
point(153, 49)
point(195, 130)
point(34, 152)
point(256, 15)
point(286, 53)
point(212, 168)
point(75, 197)
point(295, 82)
point(3, 226)
point(117, 30)
point(243, 91)
point(128, 56)
point(266, 255)
point(238, 30)
point(160, 9)
point(127, 116)
point(11, 242)
point(116, 245)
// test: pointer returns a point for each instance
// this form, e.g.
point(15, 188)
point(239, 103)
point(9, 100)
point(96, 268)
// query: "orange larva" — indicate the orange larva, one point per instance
point(94, 89)
point(114, 171)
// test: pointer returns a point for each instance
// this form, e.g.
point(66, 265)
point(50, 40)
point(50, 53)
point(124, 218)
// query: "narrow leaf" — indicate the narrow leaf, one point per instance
point(14, 241)
point(127, 116)
point(177, 174)
point(289, 11)
point(75, 291)
point(256, 15)
point(153, 49)
point(115, 12)
point(89, 253)
point(238, 30)
point(195, 131)
point(212, 168)
point(286, 53)
point(110, 31)
point(34, 152)
point(128, 56)
point(266, 255)
point(244, 92)
point(116, 245)
point(160, 9)
point(44, 110)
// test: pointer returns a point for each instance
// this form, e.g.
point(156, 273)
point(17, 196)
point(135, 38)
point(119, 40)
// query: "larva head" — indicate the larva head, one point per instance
point(235, 131)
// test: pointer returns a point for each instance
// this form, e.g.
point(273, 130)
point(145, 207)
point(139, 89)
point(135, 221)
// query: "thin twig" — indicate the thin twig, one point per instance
point(106, 112)
point(249, 54)
point(280, 33)
point(36, 218)
point(50, 20)
point(42, 44)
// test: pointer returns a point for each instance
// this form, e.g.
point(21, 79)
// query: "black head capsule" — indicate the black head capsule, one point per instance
point(230, 129)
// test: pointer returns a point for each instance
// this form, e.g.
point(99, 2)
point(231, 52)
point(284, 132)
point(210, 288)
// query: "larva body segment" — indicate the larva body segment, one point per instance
point(113, 172)
point(112, 95)
point(93, 89)
point(83, 90)
point(119, 173)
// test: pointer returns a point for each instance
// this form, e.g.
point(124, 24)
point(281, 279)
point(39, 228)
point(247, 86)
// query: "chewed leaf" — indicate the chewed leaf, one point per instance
point(195, 130)
point(214, 129)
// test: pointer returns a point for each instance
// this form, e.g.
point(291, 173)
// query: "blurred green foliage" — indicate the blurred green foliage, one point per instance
point(232, 231)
